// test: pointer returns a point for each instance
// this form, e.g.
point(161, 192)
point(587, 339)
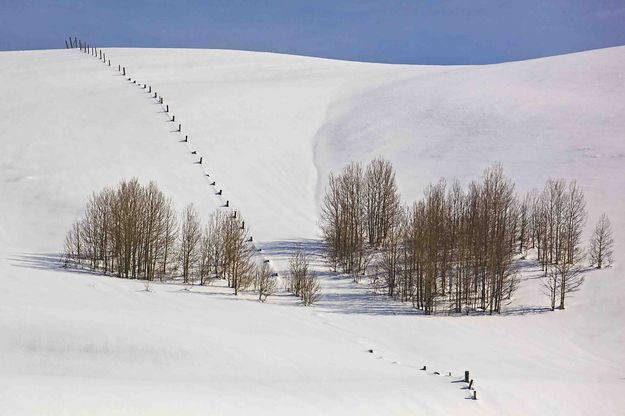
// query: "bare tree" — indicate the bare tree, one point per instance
point(551, 285)
point(190, 235)
point(298, 270)
point(571, 277)
point(601, 243)
point(302, 281)
point(392, 256)
point(237, 254)
point(168, 236)
point(311, 289)
point(265, 281)
point(331, 222)
point(381, 199)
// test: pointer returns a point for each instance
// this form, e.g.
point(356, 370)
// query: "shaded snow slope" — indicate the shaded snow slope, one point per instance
point(270, 128)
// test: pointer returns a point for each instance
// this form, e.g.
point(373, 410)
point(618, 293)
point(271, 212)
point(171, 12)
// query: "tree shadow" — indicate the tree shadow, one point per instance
point(340, 293)
point(47, 261)
point(285, 248)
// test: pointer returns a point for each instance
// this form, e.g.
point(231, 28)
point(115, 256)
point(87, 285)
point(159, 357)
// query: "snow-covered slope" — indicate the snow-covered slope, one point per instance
point(270, 128)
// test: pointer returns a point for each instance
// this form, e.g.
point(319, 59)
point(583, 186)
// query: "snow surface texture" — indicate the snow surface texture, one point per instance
point(270, 128)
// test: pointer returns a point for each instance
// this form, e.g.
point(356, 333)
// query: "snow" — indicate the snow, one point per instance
point(270, 128)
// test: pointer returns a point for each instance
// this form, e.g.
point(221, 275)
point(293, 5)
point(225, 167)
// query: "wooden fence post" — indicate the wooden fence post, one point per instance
point(466, 376)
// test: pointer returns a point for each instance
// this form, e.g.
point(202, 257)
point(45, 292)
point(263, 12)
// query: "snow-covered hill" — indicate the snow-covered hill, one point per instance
point(270, 128)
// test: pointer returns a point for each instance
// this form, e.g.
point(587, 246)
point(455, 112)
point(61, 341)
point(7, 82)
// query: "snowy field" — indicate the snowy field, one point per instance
point(270, 128)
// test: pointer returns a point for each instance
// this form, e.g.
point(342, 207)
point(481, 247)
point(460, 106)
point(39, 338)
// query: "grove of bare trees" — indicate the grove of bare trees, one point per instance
point(358, 211)
point(133, 231)
point(456, 249)
point(559, 217)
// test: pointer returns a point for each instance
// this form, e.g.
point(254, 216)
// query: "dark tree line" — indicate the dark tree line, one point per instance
point(133, 231)
point(456, 248)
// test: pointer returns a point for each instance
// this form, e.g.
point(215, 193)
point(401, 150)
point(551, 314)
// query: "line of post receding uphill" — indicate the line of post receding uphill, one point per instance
point(225, 204)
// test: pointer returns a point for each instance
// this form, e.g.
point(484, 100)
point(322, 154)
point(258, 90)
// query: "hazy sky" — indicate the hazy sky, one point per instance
point(432, 32)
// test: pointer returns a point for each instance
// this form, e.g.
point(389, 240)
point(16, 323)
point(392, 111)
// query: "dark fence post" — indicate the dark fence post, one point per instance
point(466, 376)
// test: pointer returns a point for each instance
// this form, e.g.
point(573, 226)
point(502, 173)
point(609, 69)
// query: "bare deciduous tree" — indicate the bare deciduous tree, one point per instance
point(601, 243)
point(298, 270)
point(381, 199)
point(311, 289)
point(265, 281)
point(190, 236)
point(302, 281)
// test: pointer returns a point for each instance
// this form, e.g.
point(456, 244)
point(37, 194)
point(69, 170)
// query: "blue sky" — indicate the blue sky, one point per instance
point(425, 32)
